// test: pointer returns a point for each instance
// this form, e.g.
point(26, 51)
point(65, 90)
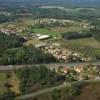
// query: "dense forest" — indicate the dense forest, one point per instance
point(12, 51)
point(25, 55)
point(9, 41)
point(76, 35)
point(37, 78)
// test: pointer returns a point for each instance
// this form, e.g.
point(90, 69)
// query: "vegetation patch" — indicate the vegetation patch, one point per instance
point(36, 78)
point(45, 31)
point(88, 46)
point(90, 92)
point(3, 80)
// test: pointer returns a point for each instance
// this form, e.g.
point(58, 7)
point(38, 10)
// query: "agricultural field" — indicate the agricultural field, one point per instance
point(89, 46)
point(12, 81)
point(90, 92)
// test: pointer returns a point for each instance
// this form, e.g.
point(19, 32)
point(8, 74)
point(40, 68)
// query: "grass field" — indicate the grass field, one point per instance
point(45, 31)
point(87, 45)
point(2, 81)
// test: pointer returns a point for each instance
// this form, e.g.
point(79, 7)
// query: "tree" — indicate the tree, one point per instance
point(8, 96)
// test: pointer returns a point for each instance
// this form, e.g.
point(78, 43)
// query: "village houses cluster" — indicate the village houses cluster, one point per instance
point(81, 72)
point(63, 54)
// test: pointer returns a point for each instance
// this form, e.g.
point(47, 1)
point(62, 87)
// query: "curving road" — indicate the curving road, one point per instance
point(65, 84)
point(27, 96)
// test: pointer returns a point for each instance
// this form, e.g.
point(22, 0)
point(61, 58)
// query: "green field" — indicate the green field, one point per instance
point(87, 46)
point(45, 31)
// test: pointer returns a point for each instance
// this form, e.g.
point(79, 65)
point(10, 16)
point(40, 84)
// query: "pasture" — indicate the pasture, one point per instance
point(88, 46)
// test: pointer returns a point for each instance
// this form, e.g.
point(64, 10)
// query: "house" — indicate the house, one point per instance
point(78, 69)
point(62, 70)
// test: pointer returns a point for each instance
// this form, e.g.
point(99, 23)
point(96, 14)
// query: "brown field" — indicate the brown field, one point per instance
point(90, 92)
point(15, 83)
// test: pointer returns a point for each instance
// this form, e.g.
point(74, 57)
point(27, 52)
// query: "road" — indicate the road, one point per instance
point(27, 96)
point(65, 84)
point(51, 65)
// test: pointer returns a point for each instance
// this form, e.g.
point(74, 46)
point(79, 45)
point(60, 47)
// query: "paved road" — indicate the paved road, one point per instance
point(65, 84)
point(51, 65)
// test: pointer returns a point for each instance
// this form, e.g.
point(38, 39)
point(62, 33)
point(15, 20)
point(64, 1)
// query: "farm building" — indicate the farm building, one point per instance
point(43, 37)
